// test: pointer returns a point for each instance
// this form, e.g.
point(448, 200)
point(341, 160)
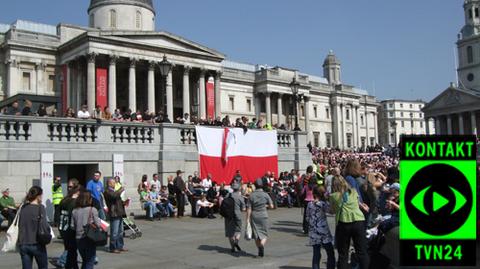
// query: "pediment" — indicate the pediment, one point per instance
point(166, 40)
point(453, 98)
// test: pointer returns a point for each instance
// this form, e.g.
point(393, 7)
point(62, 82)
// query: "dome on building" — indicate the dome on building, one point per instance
point(331, 59)
point(148, 4)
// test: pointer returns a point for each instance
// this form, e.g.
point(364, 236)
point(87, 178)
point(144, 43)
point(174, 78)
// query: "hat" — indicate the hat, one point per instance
point(235, 186)
point(259, 182)
point(395, 186)
point(6, 190)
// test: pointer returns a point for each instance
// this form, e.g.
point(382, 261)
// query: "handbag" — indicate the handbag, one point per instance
point(10, 244)
point(94, 233)
point(44, 231)
point(248, 231)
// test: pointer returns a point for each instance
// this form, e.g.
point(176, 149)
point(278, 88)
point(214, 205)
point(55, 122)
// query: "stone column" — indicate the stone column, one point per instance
point(218, 94)
point(186, 89)
point(343, 132)
point(460, 124)
point(258, 105)
point(13, 78)
point(358, 126)
point(367, 138)
point(375, 124)
point(68, 80)
point(40, 70)
point(279, 109)
point(354, 126)
point(132, 86)
point(449, 124)
point(79, 85)
point(151, 86)
point(336, 118)
point(91, 82)
point(307, 117)
point(473, 119)
point(202, 99)
point(268, 108)
point(170, 95)
point(437, 126)
point(112, 83)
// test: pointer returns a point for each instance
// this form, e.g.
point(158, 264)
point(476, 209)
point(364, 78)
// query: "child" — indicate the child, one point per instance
point(319, 234)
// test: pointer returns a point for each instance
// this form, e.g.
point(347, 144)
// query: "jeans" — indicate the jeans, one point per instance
point(170, 209)
point(70, 244)
point(317, 255)
point(116, 233)
point(351, 231)
point(151, 209)
point(62, 260)
point(101, 214)
point(28, 252)
point(87, 251)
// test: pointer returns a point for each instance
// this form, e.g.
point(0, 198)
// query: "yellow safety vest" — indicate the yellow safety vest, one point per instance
point(57, 196)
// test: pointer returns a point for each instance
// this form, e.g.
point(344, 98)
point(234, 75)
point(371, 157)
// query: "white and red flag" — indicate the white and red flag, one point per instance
point(224, 151)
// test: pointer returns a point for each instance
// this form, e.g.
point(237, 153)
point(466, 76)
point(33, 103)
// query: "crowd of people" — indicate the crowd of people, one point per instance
point(360, 189)
point(146, 116)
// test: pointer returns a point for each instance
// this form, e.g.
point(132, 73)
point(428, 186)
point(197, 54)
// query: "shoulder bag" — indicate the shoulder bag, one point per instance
point(94, 233)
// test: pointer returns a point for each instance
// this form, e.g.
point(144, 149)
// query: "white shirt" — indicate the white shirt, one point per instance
point(201, 204)
point(83, 115)
point(157, 183)
point(207, 184)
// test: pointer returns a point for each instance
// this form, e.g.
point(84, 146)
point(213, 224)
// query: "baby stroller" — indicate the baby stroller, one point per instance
point(130, 227)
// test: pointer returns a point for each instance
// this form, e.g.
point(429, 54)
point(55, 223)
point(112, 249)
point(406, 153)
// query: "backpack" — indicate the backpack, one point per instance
point(227, 209)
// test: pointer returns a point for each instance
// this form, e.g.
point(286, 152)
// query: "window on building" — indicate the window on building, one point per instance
point(421, 124)
point(231, 100)
point(348, 114)
point(420, 115)
point(401, 114)
point(91, 20)
point(390, 115)
point(316, 137)
point(363, 140)
point(113, 19)
point(328, 137)
point(385, 106)
point(390, 105)
point(469, 54)
point(403, 123)
point(401, 105)
point(372, 141)
point(419, 106)
point(476, 12)
point(26, 81)
point(362, 120)
point(470, 15)
point(51, 83)
point(315, 112)
point(327, 112)
point(412, 124)
point(349, 140)
point(392, 124)
point(392, 138)
point(302, 111)
point(249, 105)
point(138, 20)
point(411, 105)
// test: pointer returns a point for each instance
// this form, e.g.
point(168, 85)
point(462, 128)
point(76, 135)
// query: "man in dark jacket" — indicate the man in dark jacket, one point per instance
point(116, 212)
point(179, 186)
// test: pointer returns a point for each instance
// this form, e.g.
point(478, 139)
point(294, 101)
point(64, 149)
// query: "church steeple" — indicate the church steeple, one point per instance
point(472, 18)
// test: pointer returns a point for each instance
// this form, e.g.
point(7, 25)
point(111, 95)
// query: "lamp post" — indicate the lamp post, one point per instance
point(165, 67)
point(295, 86)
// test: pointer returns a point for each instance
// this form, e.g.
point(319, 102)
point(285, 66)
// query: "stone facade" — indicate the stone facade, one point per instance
point(61, 62)
point(397, 117)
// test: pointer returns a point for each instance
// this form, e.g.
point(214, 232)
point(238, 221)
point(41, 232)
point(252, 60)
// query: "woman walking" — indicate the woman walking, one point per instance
point(350, 223)
point(32, 216)
point(307, 193)
point(319, 232)
point(85, 214)
point(258, 216)
point(233, 226)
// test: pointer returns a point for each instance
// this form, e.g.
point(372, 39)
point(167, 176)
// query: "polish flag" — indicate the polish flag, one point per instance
point(224, 151)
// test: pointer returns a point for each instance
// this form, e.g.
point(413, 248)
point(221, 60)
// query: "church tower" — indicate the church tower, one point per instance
point(331, 69)
point(122, 15)
point(468, 45)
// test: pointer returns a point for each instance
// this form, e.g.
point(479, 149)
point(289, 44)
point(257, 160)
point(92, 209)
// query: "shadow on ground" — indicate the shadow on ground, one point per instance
point(223, 250)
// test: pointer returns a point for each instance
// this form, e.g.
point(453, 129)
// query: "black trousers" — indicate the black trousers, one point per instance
point(351, 231)
point(70, 244)
point(205, 212)
point(305, 223)
point(9, 214)
point(56, 215)
point(180, 204)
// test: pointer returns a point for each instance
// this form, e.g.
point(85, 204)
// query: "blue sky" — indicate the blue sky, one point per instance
point(395, 49)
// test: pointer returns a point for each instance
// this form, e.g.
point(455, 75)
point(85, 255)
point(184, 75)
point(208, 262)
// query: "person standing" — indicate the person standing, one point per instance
point(155, 182)
point(307, 193)
point(7, 206)
point(350, 223)
point(57, 196)
point(179, 187)
point(116, 212)
point(85, 214)
point(258, 216)
point(32, 216)
point(95, 187)
point(233, 226)
point(65, 226)
point(319, 233)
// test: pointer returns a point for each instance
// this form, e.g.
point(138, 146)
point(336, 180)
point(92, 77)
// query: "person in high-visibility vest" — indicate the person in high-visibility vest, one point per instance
point(57, 196)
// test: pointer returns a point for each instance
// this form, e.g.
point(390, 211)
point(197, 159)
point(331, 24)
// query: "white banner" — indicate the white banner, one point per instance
point(118, 167)
point(46, 182)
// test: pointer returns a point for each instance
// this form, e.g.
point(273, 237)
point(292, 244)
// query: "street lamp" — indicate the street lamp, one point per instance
point(165, 68)
point(295, 86)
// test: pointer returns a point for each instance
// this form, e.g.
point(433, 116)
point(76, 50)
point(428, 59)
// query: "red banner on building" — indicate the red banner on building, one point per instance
point(210, 98)
point(64, 82)
point(102, 87)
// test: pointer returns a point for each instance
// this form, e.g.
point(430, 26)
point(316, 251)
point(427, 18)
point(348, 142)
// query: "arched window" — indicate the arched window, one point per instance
point(469, 54)
point(138, 20)
point(113, 19)
point(92, 20)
